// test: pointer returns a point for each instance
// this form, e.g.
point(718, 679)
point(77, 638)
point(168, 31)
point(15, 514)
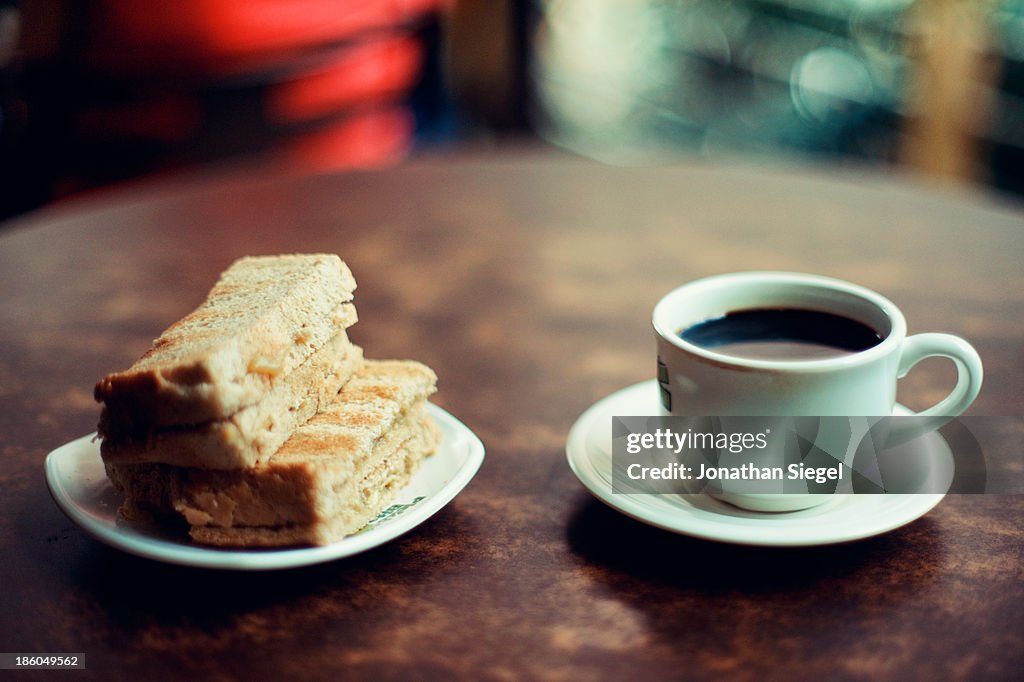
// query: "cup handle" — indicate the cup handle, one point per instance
point(968, 382)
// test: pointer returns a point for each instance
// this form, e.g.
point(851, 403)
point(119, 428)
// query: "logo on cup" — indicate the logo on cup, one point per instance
point(666, 394)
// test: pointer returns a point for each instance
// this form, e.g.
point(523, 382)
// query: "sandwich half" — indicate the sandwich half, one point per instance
point(264, 318)
point(253, 433)
point(333, 476)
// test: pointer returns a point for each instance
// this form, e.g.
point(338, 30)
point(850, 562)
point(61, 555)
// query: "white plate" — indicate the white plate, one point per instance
point(77, 482)
point(846, 518)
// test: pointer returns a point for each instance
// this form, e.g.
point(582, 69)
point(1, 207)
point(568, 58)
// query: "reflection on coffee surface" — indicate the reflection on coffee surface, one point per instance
point(782, 334)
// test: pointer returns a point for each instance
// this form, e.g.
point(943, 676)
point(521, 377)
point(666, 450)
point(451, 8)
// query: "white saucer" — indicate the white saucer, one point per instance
point(846, 518)
point(74, 473)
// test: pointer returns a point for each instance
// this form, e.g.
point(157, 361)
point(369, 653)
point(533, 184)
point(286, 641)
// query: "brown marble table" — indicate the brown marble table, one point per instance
point(526, 280)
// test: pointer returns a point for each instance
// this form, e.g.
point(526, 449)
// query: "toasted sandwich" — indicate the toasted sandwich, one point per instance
point(263, 319)
point(333, 476)
point(253, 433)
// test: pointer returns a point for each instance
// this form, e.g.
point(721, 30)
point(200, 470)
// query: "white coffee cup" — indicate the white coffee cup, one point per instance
point(701, 381)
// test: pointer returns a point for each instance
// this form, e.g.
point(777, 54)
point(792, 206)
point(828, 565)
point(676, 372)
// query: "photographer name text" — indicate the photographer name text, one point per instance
point(746, 472)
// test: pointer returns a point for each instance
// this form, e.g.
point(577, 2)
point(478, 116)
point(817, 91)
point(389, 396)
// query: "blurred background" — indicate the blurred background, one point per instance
point(96, 92)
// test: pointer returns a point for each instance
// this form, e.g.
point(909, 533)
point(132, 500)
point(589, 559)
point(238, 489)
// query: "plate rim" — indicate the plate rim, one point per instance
point(726, 531)
point(134, 541)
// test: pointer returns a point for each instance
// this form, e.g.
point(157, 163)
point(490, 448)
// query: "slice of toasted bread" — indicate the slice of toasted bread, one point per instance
point(253, 433)
point(357, 500)
point(333, 475)
point(261, 320)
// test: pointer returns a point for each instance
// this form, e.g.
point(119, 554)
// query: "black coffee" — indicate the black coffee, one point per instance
point(783, 334)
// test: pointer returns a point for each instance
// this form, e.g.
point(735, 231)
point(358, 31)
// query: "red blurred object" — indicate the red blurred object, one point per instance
point(364, 73)
point(228, 36)
point(363, 140)
point(128, 87)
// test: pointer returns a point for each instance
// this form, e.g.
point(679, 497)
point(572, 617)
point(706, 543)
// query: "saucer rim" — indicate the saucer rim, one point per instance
point(741, 527)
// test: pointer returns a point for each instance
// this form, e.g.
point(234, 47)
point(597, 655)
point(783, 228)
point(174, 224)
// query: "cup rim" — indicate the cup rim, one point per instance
point(895, 336)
